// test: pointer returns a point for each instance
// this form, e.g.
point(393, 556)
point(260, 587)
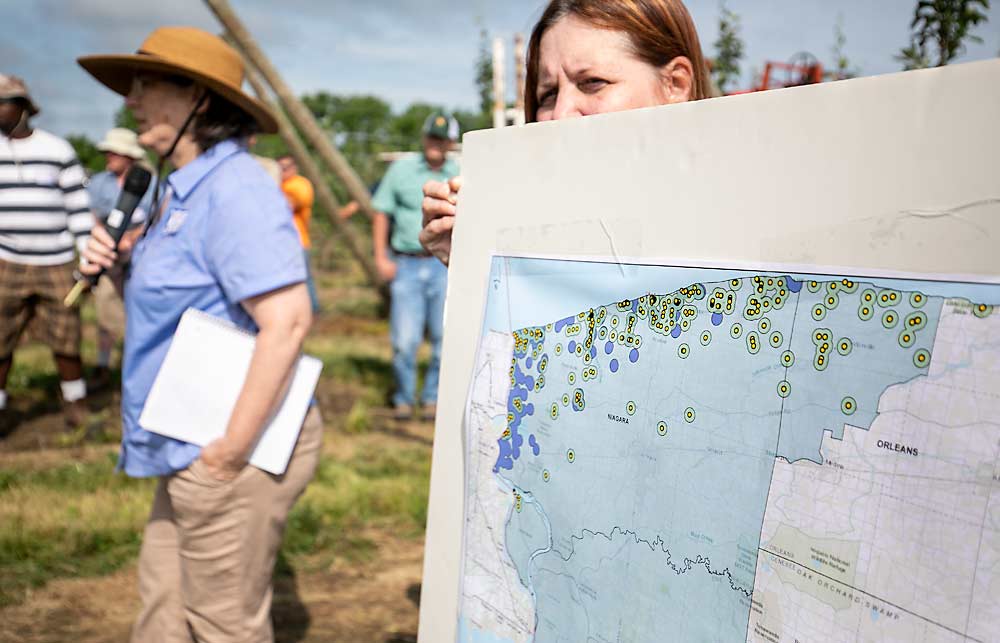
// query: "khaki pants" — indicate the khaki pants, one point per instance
point(209, 549)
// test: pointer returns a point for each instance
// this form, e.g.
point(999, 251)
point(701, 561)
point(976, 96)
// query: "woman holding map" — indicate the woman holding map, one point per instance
point(220, 241)
point(592, 57)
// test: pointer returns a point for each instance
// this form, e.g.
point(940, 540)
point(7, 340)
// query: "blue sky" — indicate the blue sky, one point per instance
point(400, 50)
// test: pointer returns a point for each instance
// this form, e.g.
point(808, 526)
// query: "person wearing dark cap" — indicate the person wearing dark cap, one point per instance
point(45, 218)
point(418, 283)
point(218, 239)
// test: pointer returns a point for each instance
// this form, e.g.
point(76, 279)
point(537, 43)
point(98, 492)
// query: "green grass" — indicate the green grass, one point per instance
point(77, 519)
point(80, 518)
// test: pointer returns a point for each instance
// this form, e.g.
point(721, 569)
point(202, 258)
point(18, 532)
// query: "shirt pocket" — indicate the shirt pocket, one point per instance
point(166, 272)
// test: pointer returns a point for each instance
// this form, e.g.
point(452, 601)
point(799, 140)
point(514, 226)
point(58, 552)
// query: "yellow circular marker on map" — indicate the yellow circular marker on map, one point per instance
point(570, 456)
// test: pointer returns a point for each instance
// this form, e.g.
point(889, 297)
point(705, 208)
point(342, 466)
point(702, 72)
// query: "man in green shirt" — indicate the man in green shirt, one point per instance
point(418, 281)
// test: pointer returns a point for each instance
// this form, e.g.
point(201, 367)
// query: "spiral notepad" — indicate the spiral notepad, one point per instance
point(201, 377)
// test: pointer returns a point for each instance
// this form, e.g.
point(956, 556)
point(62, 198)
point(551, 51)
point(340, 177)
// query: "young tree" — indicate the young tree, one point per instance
point(940, 29)
point(728, 49)
point(125, 118)
point(841, 64)
point(90, 157)
point(484, 80)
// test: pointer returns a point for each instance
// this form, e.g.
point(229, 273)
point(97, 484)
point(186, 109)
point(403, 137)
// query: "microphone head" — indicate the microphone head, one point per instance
point(137, 180)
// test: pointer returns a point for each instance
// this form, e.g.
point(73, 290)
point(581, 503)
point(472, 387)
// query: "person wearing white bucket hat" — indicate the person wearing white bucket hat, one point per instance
point(220, 240)
point(121, 151)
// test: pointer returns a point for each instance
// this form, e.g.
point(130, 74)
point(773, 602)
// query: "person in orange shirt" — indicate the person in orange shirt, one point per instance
point(299, 192)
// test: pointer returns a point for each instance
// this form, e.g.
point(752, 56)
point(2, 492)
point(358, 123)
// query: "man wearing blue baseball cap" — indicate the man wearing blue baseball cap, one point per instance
point(418, 281)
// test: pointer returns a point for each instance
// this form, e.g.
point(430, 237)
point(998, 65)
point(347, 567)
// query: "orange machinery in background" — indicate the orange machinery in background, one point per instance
point(802, 69)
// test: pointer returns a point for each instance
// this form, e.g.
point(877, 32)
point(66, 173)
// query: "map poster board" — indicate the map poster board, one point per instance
point(726, 371)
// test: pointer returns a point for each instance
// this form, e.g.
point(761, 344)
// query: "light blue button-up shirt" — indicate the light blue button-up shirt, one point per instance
point(104, 189)
point(225, 235)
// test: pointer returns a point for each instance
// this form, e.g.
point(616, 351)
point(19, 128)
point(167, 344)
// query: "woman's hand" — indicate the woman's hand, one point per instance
point(100, 251)
point(439, 209)
point(222, 460)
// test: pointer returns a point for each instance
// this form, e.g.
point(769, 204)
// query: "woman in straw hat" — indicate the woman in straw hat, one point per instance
point(221, 240)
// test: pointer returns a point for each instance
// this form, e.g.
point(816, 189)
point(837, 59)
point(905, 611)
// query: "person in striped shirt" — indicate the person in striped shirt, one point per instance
point(45, 218)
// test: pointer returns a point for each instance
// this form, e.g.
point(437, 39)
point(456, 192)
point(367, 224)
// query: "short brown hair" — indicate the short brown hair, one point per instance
point(659, 30)
point(221, 121)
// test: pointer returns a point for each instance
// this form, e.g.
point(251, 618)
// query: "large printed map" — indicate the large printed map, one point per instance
point(674, 454)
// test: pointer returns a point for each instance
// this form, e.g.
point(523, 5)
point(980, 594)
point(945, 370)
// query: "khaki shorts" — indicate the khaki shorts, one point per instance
point(36, 293)
point(110, 308)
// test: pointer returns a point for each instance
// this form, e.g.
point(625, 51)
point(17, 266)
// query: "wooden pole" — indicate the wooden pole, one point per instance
point(297, 112)
point(311, 170)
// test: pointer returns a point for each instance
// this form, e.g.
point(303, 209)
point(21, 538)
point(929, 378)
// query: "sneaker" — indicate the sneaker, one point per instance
point(402, 412)
point(75, 414)
point(428, 412)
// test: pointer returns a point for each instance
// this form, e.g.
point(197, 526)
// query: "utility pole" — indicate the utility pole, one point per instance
point(499, 101)
point(312, 171)
point(297, 112)
point(519, 75)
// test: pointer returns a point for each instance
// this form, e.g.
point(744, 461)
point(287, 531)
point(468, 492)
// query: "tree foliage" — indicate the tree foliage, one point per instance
point(90, 157)
point(125, 118)
point(728, 49)
point(940, 29)
point(842, 67)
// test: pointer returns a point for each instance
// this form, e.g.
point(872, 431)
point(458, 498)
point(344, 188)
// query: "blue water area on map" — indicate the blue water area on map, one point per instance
point(651, 475)
point(467, 633)
point(876, 361)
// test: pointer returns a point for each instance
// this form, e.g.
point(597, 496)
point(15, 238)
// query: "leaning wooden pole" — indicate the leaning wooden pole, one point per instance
point(312, 171)
point(297, 112)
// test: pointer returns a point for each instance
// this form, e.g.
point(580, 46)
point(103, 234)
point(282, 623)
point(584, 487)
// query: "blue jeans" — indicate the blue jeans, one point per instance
point(417, 303)
point(310, 284)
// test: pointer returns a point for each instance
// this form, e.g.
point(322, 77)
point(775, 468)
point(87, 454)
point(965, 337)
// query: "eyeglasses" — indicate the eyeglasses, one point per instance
point(142, 82)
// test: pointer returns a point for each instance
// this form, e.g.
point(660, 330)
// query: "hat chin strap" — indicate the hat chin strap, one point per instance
point(154, 214)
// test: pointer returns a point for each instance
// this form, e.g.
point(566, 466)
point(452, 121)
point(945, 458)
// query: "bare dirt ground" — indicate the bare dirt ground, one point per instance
point(375, 601)
point(374, 598)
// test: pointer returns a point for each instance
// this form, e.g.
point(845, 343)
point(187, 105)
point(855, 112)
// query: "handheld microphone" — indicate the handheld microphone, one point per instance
point(135, 186)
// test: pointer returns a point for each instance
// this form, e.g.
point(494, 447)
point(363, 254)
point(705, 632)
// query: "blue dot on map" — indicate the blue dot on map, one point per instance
point(613, 366)
point(633, 356)
point(608, 347)
point(572, 346)
point(716, 319)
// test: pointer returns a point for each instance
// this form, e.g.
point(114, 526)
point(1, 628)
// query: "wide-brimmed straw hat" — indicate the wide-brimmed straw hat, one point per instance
point(122, 141)
point(183, 51)
point(14, 87)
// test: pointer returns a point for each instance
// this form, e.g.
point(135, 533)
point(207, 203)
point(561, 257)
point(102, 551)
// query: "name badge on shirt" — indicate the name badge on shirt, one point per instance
point(176, 220)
